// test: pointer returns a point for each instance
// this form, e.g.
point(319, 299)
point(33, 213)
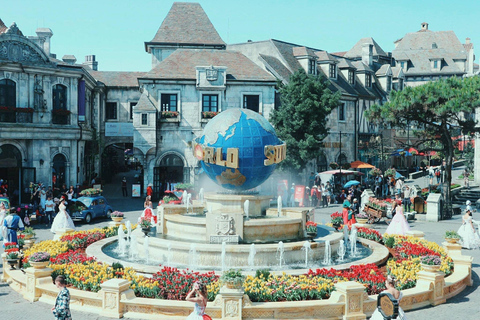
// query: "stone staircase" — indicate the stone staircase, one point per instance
point(472, 194)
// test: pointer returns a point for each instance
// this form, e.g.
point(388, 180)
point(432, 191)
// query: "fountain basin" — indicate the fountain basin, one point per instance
point(258, 204)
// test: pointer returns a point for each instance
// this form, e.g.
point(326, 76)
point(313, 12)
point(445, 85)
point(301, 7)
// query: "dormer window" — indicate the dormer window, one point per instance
point(389, 83)
point(351, 76)
point(368, 80)
point(333, 70)
point(312, 67)
point(436, 64)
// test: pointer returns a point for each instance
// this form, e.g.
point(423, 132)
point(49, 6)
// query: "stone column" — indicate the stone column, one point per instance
point(432, 281)
point(353, 293)
point(433, 207)
point(31, 292)
point(231, 303)
point(112, 292)
point(462, 263)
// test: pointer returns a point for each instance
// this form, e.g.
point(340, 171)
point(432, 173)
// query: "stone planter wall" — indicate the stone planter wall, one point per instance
point(349, 301)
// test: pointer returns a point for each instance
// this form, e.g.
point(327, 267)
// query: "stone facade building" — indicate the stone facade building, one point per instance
point(45, 114)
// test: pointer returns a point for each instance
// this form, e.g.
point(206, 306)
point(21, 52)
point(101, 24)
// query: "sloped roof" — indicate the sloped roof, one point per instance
point(396, 71)
point(117, 78)
point(356, 50)
point(340, 53)
point(361, 67)
point(324, 56)
point(182, 63)
point(3, 27)
point(145, 103)
point(187, 23)
point(302, 51)
point(276, 67)
point(421, 47)
point(345, 63)
point(382, 71)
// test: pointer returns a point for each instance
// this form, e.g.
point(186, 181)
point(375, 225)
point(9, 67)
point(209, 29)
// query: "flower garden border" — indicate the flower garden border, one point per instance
point(348, 301)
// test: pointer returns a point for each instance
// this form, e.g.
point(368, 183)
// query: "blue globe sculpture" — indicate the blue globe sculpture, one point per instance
point(232, 149)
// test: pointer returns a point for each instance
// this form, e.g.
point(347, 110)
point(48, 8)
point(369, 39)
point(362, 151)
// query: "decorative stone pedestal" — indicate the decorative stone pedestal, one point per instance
point(32, 293)
point(232, 303)
point(62, 232)
point(112, 292)
point(416, 234)
point(432, 281)
point(354, 296)
point(116, 223)
point(453, 249)
point(29, 243)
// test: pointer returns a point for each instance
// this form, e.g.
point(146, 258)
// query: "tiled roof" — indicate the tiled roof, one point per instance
point(117, 78)
point(382, 71)
point(396, 72)
point(276, 67)
point(345, 63)
point(421, 47)
point(356, 50)
point(187, 23)
point(302, 51)
point(324, 56)
point(145, 103)
point(3, 27)
point(181, 64)
point(340, 54)
point(361, 67)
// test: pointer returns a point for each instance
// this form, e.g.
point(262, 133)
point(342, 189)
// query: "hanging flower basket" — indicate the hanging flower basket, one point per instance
point(390, 172)
point(333, 165)
point(61, 112)
point(169, 114)
point(375, 172)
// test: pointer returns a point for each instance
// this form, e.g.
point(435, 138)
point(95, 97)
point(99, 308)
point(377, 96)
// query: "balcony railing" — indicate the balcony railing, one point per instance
point(60, 116)
point(16, 115)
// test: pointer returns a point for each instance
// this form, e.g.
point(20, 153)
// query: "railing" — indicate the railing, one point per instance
point(8, 117)
point(60, 118)
point(16, 117)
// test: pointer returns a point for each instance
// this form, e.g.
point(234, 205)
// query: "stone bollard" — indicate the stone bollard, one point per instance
point(33, 276)
point(62, 232)
point(416, 234)
point(354, 296)
point(432, 281)
point(112, 292)
point(453, 249)
point(464, 263)
point(232, 303)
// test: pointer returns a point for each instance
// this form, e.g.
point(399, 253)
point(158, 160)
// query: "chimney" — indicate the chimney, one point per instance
point(45, 33)
point(424, 26)
point(70, 59)
point(467, 41)
point(367, 54)
point(91, 62)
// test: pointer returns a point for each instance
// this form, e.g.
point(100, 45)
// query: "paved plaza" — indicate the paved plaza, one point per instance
point(462, 306)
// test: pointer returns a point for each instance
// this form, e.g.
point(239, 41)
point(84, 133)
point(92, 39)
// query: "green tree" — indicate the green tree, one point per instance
point(301, 120)
point(436, 108)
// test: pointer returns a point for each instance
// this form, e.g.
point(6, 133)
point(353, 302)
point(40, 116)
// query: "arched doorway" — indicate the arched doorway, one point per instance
point(10, 168)
point(170, 171)
point(59, 171)
point(117, 158)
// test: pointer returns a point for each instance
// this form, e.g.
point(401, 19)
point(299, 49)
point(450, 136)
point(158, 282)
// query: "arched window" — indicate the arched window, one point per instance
point(342, 159)
point(59, 97)
point(171, 160)
point(8, 93)
point(322, 163)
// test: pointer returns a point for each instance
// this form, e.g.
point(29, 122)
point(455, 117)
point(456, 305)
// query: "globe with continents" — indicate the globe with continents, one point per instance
point(239, 149)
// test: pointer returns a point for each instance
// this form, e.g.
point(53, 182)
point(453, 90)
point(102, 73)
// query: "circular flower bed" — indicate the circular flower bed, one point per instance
point(69, 259)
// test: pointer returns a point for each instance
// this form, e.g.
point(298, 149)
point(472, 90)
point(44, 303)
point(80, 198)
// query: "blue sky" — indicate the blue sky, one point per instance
point(115, 31)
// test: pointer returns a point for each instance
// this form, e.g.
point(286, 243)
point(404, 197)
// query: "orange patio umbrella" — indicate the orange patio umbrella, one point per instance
point(361, 165)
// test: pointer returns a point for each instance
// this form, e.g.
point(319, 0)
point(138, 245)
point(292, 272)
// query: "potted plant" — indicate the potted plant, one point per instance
point(337, 220)
point(12, 254)
point(209, 114)
point(21, 240)
point(117, 216)
point(452, 236)
point(311, 228)
point(333, 165)
point(146, 225)
point(169, 114)
point(431, 263)
point(232, 279)
point(39, 260)
point(29, 233)
point(362, 217)
point(390, 172)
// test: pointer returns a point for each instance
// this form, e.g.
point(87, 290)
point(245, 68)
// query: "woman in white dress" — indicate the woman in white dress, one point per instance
point(62, 219)
point(398, 224)
point(390, 284)
point(198, 295)
point(470, 239)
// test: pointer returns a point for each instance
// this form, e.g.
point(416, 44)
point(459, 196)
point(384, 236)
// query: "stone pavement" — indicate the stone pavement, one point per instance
point(463, 306)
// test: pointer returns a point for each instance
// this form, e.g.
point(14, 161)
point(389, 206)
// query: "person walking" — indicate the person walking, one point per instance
point(324, 196)
point(406, 197)
point(124, 187)
point(466, 181)
point(328, 193)
point(61, 309)
point(12, 223)
point(49, 210)
point(3, 213)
